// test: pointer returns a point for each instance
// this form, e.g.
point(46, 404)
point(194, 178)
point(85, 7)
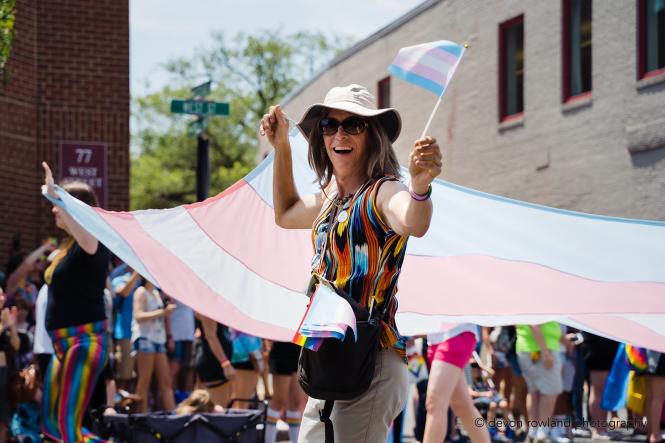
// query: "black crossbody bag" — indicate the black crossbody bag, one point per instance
point(342, 370)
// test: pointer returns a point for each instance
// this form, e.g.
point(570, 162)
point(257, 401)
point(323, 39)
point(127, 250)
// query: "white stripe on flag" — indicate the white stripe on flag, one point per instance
point(97, 226)
point(597, 248)
point(257, 298)
point(440, 67)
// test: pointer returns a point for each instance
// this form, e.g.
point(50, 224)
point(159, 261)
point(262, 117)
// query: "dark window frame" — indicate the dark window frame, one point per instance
point(566, 95)
point(642, 72)
point(503, 27)
point(381, 99)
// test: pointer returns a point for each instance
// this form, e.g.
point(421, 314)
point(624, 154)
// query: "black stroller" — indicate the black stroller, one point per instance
point(230, 426)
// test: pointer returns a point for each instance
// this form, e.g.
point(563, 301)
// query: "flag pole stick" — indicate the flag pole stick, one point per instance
point(431, 116)
point(438, 102)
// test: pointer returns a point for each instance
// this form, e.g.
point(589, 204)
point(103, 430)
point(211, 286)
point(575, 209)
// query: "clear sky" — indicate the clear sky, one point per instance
point(164, 29)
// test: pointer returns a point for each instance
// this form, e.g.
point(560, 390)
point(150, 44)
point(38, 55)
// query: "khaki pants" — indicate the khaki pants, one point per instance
point(364, 419)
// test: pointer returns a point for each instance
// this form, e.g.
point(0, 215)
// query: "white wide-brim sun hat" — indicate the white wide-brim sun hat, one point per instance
point(357, 100)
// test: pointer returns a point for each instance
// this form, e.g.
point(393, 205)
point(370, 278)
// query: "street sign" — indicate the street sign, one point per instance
point(202, 90)
point(86, 162)
point(203, 109)
point(199, 107)
point(197, 126)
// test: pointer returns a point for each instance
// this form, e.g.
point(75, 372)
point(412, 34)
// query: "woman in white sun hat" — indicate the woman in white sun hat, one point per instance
point(361, 221)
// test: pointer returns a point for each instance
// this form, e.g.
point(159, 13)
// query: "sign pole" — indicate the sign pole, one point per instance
point(202, 166)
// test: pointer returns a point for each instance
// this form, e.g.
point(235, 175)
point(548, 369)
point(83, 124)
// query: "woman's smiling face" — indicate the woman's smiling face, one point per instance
point(347, 152)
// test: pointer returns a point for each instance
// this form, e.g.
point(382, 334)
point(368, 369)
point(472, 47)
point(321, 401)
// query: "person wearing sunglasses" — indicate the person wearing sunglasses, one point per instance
point(361, 221)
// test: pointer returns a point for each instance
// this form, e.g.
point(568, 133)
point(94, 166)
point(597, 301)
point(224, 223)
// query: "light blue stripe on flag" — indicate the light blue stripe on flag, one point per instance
point(453, 48)
point(416, 79)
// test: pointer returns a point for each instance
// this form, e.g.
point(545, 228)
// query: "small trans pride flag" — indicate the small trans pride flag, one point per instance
point(429, 65)
point(328, 316)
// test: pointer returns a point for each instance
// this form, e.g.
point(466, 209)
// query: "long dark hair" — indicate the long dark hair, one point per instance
point(82, 191)
point(382, 158)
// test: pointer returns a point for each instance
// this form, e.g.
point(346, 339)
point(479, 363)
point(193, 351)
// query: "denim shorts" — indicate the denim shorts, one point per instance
point(183, 352)
point(142, 344)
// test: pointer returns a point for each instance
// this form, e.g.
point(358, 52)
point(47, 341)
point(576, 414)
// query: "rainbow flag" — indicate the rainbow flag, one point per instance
point(429, 65)
point(637, 357)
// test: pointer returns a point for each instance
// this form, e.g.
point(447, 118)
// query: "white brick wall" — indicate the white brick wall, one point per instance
point(569, 158)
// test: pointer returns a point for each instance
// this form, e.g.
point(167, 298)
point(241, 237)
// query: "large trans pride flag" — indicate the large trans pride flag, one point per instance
point(486, 259)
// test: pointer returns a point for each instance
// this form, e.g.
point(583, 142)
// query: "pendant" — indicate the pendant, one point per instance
point(343, 216)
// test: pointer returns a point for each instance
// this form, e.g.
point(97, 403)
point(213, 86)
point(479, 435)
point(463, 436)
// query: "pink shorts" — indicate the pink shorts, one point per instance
point(456, 350)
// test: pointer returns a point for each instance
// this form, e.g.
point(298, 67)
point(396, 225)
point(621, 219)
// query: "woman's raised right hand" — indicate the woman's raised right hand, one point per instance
point(49, 184)
point(275, 126)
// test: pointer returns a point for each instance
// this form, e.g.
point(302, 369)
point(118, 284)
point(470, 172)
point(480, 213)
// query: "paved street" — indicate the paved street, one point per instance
point(621, 435)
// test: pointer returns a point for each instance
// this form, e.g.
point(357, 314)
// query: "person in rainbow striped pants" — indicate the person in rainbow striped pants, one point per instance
point(80, 355)
point(75, 320)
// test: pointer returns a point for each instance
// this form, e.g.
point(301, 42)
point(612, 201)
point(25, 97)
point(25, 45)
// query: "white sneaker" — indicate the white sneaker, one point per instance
point(558, 434)
point(542, 433)
point(531, 435)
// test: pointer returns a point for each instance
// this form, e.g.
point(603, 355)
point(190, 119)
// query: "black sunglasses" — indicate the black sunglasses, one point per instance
point(352, 125)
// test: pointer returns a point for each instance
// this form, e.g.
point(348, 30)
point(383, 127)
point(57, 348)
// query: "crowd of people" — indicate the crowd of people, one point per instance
point(82, 331)
point(536, 382)
point(543, 382)
point(156, 354)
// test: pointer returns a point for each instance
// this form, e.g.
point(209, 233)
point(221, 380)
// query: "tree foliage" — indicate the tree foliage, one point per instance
point(7, 18)
point(251, 72)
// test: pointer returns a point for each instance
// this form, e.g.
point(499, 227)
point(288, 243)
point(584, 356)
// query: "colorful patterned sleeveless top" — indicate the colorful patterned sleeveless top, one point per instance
point(362, 256)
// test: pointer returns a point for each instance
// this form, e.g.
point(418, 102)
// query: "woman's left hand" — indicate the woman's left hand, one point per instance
point(425, 163)
point(49, 184)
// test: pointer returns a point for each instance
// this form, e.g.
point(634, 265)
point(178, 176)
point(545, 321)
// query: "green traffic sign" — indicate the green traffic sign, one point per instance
point(202, 90)
point(199, 107)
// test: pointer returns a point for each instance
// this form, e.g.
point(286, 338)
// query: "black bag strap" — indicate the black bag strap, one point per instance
point(324, 415)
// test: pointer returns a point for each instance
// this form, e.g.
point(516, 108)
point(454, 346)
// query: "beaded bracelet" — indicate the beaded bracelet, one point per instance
point(421, 197)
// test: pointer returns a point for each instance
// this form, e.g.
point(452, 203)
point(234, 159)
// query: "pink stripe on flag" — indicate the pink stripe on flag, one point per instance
point(630, 331)
point(228, 191)
point(444, 55)
point(420, 69)
point(279, 255)
point(177, 279)
point(477, 285)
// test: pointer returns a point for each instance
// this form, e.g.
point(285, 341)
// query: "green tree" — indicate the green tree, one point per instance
point(251, 72)
point(7, 18)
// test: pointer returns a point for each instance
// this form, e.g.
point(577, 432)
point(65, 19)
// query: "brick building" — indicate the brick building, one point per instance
point(69, 82)
point(560, 102)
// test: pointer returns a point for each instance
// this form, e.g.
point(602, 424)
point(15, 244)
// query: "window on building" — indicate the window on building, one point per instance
point(576, 48)
point(384, 93)
point(651, 34)
point(511, 68)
